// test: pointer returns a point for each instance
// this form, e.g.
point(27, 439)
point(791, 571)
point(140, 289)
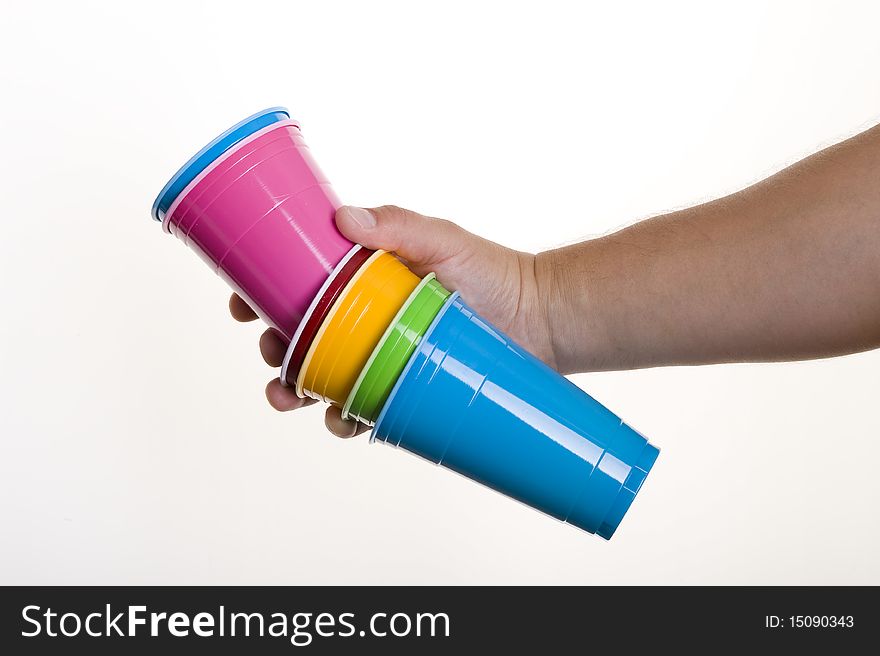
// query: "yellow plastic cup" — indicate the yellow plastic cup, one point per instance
point(353, 327)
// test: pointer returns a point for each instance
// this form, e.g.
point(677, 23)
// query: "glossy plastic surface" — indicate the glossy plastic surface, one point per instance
point(263, 217)
point(474, 401)
point(198, 162)
point(318, 311)
point(353, 327)
point(394, 350)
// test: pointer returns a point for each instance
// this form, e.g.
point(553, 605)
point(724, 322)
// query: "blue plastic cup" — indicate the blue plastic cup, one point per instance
point(474, 401)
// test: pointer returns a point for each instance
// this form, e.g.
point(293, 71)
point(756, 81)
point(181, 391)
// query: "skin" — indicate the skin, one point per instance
point(786, 269)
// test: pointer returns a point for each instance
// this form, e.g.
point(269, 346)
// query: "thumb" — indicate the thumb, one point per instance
point(420, 240)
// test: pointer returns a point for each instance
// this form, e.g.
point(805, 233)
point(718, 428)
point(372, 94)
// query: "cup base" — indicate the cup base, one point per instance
point(628, 492)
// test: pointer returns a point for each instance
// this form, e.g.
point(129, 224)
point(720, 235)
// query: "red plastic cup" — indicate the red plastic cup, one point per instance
point(262, 215)
point(318, 311)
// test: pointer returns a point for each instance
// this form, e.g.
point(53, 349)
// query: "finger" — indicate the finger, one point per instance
point(283, 398)
point(421, 240)
point(240, 310)
point(342, 427)
point(272, 347)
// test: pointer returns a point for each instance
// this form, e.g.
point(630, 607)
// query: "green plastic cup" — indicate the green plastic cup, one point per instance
point(393, 351)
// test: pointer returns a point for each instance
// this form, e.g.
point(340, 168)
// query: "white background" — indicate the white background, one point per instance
point(135, 442)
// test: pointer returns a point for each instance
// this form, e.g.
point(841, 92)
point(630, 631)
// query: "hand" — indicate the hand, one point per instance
point(501, 284)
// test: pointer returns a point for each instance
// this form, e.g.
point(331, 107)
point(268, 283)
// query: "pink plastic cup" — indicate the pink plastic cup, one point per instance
point(262, 216)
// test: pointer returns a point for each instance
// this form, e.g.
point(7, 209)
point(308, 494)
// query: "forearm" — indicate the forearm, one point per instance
point(786, 269)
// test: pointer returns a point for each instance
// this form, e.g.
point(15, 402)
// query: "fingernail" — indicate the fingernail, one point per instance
point(350, 429)
point(340, 427)
point(364, 218)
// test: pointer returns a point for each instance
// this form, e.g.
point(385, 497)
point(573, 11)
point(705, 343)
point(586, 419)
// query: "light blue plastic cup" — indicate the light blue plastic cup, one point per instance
point(474, 401)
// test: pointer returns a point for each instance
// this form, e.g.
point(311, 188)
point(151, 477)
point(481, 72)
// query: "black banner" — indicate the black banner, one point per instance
point(407, 620)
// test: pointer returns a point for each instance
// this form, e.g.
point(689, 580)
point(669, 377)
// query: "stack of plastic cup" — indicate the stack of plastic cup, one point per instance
point(399, 353)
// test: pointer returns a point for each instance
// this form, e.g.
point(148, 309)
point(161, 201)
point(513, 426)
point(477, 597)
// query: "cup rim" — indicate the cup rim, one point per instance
point(300, 378)
point(208, 153)
point(454, 296)
point(423, 283)
point(298, 334)
point(172, 208)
